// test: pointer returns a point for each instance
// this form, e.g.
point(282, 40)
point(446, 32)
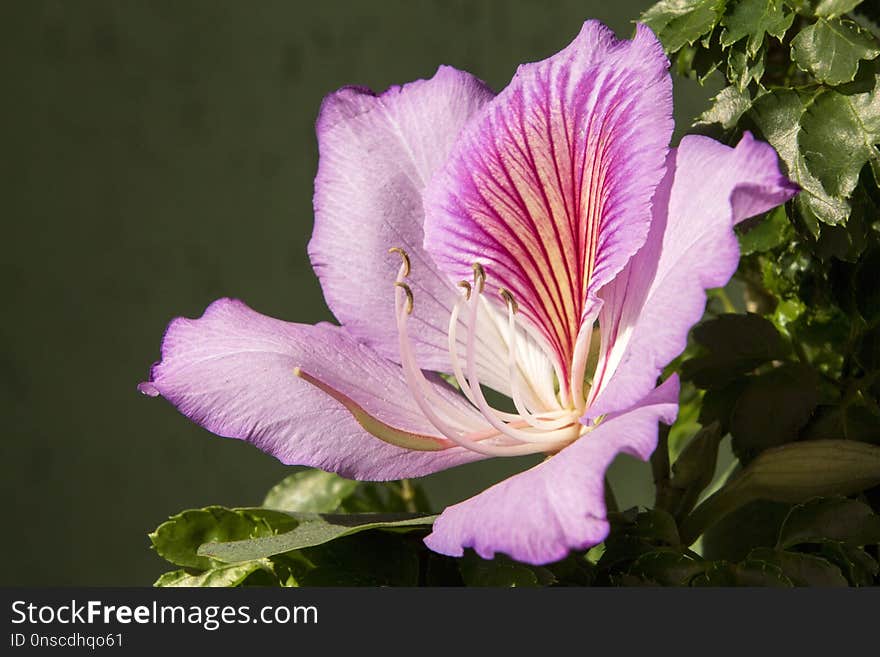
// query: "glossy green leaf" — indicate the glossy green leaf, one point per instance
point(313, 529)
point(859, 567)
point(678, 23)
point(755, 524)
point(667, 567)
point(778, 116)
point(693, 470)
point(755, 19)
point(748, 573)
point(364, 559)
point(830, 519)
point(229, 575)
point(735, 344)
point(727, 108)
point(502, 572)
point(832, 8)
point(742, 68)
point(178, 539)
point(772, 409)
point(832, 49)
point(310, 491)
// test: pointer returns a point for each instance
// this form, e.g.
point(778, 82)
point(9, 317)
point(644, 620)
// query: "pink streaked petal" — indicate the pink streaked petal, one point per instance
point(539, 515)
point(550, 186)
point(376, 154)
point(233, 372)
point(653, 303)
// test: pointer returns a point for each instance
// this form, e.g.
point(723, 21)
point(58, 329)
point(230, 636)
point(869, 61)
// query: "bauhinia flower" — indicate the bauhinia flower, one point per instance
point(545, 242)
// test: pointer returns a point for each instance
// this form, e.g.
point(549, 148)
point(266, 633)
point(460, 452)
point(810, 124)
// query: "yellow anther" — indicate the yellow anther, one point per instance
point(479, 277)
point(467, 289)
point(509, 300)
point(409, 296)
point(404, 256)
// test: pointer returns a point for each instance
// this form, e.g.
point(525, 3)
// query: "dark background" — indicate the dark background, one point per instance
point(156, 156)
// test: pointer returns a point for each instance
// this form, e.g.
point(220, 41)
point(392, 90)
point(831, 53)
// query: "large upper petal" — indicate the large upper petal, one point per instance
point(549, 188)
point(651, 305)
point(233, 371)
point(539, 515)
point(376, 154)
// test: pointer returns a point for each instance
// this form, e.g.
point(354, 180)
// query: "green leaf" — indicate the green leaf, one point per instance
point(801, 569)
point(502, 572)
point(667, 567)
point(793, 473)
point(313, 529)
point(223, 576)
point(743, 69)
point(832, 8)
point(748, 573)
point(778, 116)
point(178, 539)
point(678, 23)
point(773, 230)
point(719, 403)
point(754, 19)
point(755, 524)
point(727, 108)
point(310, 491)
point(736, 344)
point(836, 519)
point(772, 409)
point(831, 50)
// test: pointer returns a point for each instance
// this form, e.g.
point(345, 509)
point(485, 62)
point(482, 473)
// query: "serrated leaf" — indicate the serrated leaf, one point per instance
point(694, 469)
point(755, 524)
point(778, 115)
point(667, 567)
point(754, 19)
point(839, 134)
point(223, 576)
point(748, 573)
point(742, 68)
point(735, 344)
point(727, 107)
point(310, 491)
point(364, 559)
point(832, 8)
point(313, 529)
point(836, 519)
point(177, 540)
point(832, 49)
point(772, 409)
point(678, 23)
point(502, 572)
point(801, 569)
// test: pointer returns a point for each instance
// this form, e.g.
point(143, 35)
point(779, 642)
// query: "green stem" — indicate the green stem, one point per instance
point(408, 495)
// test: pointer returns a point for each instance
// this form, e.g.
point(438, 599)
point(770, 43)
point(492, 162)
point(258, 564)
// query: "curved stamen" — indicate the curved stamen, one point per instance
point(543, 437)
point(513, 369)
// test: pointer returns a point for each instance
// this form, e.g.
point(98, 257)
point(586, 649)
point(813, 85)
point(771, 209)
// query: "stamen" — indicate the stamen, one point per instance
point(467, 288)
point(479, 277)
point(404, 256)
point(541, 437)
point(409, 295)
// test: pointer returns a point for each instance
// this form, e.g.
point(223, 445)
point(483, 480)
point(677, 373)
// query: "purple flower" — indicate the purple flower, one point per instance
point(495, 239)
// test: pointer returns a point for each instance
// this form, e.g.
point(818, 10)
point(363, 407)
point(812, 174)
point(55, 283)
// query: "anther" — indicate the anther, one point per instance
point(509, 300)
point(404, 256)
point(479, 277)
point(409, 296)
point(467, 289)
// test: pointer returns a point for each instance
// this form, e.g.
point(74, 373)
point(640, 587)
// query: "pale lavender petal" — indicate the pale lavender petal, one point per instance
point(550, 186)
point(376, 154)
point(652, 304)
point(539, 515)
point(233, 372)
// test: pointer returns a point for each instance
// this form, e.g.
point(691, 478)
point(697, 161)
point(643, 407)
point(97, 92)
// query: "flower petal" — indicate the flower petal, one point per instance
point(550, 186)
point(233, 371)
point(651, 305)
point(377, 153)
point(539, 515)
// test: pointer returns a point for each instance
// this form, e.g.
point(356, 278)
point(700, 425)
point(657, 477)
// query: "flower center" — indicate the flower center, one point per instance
point(535, 427)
